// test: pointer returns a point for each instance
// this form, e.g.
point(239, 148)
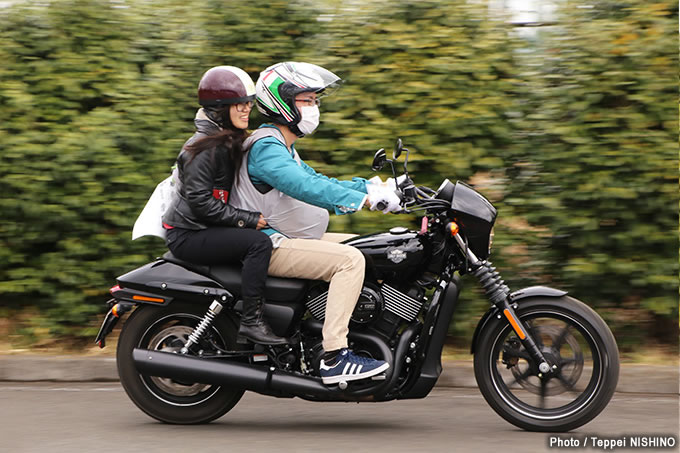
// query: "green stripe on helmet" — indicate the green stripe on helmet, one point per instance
point(274, 90)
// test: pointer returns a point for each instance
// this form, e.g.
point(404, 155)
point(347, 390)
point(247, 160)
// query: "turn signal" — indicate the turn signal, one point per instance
point(452, 228)
point(120, 309)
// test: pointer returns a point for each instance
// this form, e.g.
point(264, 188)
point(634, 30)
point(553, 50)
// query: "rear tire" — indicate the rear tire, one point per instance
point(167, 329)
point(575, 340)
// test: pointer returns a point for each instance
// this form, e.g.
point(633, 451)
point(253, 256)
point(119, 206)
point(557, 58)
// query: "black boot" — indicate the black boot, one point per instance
point(254, 327)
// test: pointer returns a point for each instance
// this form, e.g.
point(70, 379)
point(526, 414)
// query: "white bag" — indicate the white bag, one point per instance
point(149, 222)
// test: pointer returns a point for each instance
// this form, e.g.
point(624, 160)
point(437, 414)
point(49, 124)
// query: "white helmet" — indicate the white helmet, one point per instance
point(278, 85)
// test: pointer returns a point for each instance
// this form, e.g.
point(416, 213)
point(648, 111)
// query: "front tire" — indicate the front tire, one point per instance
point(575, 341)
point(167, 329)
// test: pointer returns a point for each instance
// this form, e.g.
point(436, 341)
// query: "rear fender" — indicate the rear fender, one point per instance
point(164, 280)
point(124, 300)
point(517, 296)
point(158, 284)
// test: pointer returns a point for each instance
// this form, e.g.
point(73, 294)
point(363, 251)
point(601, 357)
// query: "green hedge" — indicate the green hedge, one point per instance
point(572, 134)
point(602, 122)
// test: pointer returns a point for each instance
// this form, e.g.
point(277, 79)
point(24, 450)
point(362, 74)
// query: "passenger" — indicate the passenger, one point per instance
point(201, 226)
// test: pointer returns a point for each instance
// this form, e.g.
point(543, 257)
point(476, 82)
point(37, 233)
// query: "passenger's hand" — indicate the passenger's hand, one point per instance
point(261, 223)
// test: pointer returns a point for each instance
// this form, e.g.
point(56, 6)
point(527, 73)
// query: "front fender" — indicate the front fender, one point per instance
point(524, 293)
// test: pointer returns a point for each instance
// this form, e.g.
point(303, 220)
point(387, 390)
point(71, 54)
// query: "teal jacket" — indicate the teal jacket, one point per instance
point(270, 162)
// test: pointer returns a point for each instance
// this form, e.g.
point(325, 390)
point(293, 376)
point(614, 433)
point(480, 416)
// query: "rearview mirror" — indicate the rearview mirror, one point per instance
point(379, 160)
point(398, 147)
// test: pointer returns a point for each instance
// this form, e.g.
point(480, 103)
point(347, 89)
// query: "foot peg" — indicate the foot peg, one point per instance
point(378, 377)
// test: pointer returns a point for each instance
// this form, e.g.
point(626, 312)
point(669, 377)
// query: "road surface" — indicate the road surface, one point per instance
point(98, 417)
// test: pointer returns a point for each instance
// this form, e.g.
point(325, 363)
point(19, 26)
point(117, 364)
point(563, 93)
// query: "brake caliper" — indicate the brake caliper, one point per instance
point(511, 352)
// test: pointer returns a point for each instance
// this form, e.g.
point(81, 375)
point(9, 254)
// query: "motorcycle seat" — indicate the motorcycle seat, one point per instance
point(229, 276)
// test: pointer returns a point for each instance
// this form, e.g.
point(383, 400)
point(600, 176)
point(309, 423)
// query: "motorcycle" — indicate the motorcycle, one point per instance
point(543, 360)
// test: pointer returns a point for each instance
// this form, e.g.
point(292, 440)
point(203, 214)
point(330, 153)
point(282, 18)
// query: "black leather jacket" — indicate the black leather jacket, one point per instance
point(205, 182)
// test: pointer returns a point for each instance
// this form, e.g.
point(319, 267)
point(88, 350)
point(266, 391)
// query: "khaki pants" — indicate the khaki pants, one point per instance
point(324, 259)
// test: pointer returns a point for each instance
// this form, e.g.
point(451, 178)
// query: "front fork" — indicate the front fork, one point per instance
point(498, 294)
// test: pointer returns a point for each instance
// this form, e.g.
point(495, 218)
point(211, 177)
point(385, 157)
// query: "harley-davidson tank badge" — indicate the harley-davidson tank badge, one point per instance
point(396, 256)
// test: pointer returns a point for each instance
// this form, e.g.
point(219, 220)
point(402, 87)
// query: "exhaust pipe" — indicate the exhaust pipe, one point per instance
point(249, 377)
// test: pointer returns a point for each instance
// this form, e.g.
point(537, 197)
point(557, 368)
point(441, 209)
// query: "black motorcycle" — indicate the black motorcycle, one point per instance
point(544, 361)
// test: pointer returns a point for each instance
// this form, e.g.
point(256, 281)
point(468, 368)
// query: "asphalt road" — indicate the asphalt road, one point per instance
point(98, 417)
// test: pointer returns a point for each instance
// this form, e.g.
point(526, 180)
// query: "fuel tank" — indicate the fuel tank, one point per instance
point(395, 256)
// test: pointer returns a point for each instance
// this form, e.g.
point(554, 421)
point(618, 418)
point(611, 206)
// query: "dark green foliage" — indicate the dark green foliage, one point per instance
point(601, 121)
point(573, 134)
point(94, 107)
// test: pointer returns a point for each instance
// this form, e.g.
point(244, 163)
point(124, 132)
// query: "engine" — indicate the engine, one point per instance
point(380, 307)
point(392, 258)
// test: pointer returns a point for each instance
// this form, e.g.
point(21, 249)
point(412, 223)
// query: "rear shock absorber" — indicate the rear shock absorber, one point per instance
point(199, 331)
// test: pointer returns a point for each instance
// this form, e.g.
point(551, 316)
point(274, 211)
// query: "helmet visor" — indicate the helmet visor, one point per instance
point(309, 77)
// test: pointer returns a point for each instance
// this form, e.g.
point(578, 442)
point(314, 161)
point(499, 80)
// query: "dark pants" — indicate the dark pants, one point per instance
point(225, 245)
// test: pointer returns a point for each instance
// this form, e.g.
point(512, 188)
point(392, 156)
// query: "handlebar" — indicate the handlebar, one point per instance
point(420, 198)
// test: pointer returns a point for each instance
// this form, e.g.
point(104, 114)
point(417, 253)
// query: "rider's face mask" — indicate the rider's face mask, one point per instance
point(310, 119)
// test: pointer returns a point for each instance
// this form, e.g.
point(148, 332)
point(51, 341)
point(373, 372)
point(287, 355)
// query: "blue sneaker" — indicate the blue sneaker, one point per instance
point(350, 367)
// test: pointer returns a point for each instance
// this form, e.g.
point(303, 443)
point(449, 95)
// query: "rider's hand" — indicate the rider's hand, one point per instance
point(376, 181)
point(393, 185)
point(383, 199)
point(261, 223)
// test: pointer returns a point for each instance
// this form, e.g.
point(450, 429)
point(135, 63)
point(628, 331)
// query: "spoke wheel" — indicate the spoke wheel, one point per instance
point(167, 329)
point(170, 334)
point(582, 355)
point(558, 342)
point(172, 340)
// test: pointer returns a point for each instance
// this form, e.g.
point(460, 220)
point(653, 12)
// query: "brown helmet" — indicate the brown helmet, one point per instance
point(224, 85)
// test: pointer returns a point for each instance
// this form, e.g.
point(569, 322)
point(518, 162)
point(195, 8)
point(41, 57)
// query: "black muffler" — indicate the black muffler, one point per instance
point(257, 378)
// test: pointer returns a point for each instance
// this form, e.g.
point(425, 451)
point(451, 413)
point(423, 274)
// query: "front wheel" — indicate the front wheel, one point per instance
point(167, 329)
point(578, 346)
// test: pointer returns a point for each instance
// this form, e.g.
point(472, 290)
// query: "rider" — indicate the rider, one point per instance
point(294, 199)
point(201, 226)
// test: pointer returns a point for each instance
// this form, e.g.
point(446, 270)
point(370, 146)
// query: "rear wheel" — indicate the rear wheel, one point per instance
point(167, 329)
point(578, 346)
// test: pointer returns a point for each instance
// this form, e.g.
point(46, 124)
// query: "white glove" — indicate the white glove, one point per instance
point(382, 198)
point(391, 184)
point(374, 181)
